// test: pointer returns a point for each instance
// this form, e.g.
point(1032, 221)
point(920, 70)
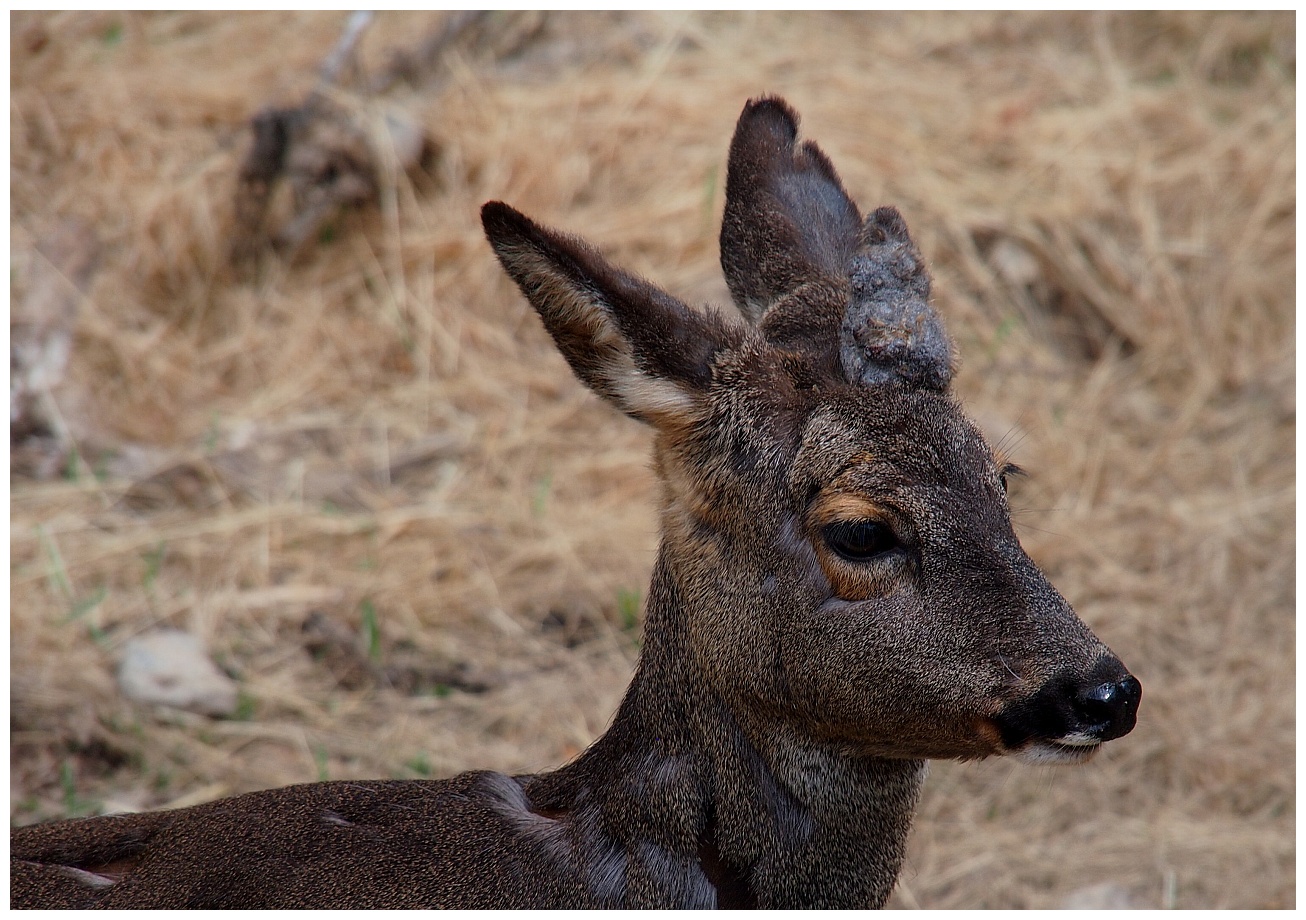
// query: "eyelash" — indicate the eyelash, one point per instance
point(860, 541)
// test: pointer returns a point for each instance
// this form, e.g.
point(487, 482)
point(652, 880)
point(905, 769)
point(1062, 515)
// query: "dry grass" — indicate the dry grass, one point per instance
point(1108, 204)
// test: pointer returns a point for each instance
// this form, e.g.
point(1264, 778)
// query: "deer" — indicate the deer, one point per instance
point(838, 597)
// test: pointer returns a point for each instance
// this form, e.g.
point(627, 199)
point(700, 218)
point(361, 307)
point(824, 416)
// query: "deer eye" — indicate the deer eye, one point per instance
point(1006, 470)
point(858, 541)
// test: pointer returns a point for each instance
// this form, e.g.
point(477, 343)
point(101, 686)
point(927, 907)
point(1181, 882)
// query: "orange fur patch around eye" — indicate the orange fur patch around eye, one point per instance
point(850, 580)
point(830, 507)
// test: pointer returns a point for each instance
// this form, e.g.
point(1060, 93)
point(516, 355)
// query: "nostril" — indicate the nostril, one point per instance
point(1112, 706)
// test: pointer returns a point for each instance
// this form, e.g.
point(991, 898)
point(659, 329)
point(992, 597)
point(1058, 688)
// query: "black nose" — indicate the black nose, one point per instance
point(1111, 707)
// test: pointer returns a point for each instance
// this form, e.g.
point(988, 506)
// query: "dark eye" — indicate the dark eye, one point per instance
point(859, 540)
point(1008, 469)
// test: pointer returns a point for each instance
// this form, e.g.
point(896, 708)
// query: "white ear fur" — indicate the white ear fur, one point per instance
point(608, 324)
point(649, 398)
point(661, 402)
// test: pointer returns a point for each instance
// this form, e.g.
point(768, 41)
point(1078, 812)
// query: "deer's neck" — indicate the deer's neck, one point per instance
point(707, 813)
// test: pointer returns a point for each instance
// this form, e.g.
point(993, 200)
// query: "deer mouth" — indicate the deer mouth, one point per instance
point(1069, 750)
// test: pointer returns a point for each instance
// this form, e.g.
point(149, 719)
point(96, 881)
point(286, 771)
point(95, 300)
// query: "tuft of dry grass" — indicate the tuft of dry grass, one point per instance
point(368, 482)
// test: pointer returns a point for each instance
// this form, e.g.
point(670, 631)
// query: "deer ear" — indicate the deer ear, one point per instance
point(626, 339)
point(803, 267)
point(788, 220)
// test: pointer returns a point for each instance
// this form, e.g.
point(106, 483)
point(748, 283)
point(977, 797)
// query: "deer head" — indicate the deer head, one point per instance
point(837, 532)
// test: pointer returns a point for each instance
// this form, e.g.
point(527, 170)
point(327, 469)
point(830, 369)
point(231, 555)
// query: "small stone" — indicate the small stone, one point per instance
point(406, 138)
point(1016, 264)
point(170, 667)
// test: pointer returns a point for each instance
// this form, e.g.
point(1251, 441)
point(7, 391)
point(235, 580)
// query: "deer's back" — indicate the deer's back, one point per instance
point(468, 842)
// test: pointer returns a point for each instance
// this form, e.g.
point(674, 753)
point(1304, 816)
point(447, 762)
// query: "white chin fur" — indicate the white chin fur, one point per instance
point(1068, 750)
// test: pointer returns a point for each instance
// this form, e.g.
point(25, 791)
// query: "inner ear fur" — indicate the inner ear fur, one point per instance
point(626, 339)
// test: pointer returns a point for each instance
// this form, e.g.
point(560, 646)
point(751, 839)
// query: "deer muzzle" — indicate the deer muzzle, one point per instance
point(1073, 714)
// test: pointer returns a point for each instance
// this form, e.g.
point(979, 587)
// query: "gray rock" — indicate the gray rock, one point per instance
point(170, 667)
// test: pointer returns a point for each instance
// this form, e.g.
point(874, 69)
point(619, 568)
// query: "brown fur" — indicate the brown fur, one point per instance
point(771, 747)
